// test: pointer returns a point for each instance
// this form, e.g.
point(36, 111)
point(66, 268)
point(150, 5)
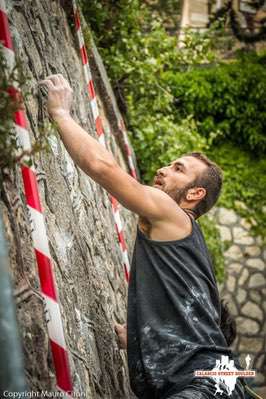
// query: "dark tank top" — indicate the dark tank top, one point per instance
point(173, 314)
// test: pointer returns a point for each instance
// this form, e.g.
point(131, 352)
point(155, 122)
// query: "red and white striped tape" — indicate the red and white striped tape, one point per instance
point(39, 235)
point(121, 237)
point(101, 136)
point(128, 149)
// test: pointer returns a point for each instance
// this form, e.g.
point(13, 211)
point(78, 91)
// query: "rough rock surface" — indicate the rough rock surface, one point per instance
point(80, 225)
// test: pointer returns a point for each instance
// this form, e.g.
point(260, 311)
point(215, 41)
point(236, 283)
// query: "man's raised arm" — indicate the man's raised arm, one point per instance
point(99, 163)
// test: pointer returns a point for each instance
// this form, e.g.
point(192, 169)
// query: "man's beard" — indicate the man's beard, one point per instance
point(179, 194)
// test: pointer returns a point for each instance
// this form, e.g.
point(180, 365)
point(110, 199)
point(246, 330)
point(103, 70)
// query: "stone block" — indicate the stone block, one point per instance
point(234, 252)
point(259, 241)
point(253, 250)
point(250, 344)
point(246, 224)
point(256, 280)
point(234, 268)
point(227, 216)
point(232, 307)
point(241, 236)
point(243, 277)
point(255, 296)
point(231, 283)
point(247, 326)
point(241, 295)
point(256, 263)
point(252, 309)
point(225, 233)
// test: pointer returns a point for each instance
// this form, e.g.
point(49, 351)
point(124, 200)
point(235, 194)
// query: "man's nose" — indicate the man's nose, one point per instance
point(161, 171)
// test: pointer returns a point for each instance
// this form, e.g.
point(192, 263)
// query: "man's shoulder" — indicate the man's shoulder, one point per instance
point(169, 229)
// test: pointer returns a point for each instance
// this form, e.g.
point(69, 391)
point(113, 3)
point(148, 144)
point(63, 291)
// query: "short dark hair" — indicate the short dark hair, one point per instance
point(211, 179)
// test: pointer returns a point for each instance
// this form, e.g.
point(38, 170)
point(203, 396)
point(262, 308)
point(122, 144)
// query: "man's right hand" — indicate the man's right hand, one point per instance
point(59, 96)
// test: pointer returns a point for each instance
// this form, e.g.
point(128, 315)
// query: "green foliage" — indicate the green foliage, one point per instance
point(215, 245)
point(174, 104)
point(227, 101)
point(158, 140)
point(245, 182)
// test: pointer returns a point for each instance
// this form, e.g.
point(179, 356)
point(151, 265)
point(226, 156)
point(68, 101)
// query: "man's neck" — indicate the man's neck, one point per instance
point(190, 212)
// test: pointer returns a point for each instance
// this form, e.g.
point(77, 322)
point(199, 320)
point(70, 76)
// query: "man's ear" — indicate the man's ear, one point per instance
point(196, 193)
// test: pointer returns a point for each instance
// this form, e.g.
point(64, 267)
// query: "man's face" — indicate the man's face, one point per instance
point(175, 178)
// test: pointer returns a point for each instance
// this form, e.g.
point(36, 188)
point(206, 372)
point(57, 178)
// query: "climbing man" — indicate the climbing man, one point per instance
point(173, 322)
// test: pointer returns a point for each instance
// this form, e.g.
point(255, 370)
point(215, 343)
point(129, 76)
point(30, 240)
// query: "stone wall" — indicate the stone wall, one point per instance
point(245, 289)
point(81, 230)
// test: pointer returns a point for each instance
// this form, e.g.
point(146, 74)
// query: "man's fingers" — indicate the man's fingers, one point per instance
point(64, 82)
point(59, 79)
point(54, 78)
point(121, 333)
point(47, 83)
point(120, 328)
point(59, 96)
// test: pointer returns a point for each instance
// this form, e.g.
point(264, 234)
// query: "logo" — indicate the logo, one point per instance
point(225, 374)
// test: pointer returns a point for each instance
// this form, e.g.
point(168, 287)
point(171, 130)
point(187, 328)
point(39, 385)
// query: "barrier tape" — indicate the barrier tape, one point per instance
point(128, 149)
point(101, 136)
point(39, 235)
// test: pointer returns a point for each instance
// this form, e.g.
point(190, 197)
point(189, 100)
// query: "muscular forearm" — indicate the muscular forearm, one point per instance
point(86, 152)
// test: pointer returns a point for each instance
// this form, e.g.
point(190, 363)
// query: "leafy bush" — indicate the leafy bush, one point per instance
point(215, 245)
point(227, 101)
point(158, 140)
point(245, 182)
